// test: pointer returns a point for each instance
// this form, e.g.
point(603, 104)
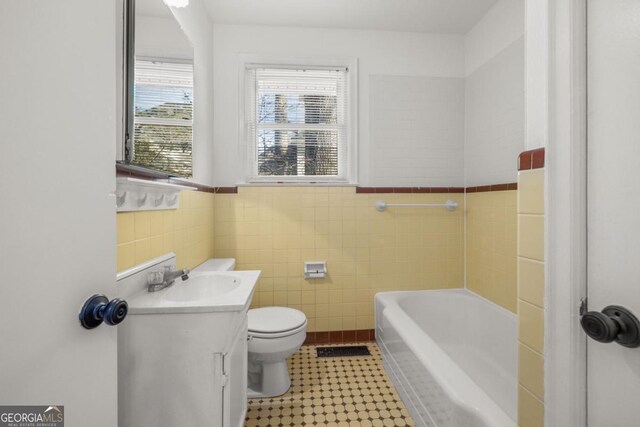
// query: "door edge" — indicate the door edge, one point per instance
point(566, 213)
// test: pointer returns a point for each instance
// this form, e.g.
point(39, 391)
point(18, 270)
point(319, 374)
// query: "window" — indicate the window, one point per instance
point(298, 123)
point(163, 119)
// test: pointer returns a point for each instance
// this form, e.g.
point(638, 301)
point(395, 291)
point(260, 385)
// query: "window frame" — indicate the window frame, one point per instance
point(247, 142)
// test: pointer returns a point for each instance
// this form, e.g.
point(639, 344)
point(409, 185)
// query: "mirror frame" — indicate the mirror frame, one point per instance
point(128, 85)
point(129, 77)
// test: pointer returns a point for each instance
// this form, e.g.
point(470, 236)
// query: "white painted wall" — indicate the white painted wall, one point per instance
point(395, 70)
point(378, 53)
point(159, 37)
point(494, 123)
point(417, 131)
point(499, 28)
point(495, 95)
point(537, 73)
point(194, 21)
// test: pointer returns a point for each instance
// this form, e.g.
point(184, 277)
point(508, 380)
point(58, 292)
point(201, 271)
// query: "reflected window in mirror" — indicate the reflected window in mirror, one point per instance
point(163, 116)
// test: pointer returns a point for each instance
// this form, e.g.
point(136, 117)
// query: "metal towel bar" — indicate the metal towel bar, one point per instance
point(450, 205)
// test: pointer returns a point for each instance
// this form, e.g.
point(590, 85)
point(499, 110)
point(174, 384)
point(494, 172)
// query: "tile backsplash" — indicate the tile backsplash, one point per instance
point(491, 246)
point(531, 294)
point(187, 231)
point(276, 229)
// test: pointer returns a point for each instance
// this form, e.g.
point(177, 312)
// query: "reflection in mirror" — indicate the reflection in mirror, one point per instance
point(161, 126)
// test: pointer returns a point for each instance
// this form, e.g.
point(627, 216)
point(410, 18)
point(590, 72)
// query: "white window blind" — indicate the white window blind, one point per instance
point(163, 120)
point(297, 122)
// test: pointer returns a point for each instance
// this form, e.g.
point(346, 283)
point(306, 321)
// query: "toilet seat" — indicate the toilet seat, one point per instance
point(275, 322)
point(272, 335)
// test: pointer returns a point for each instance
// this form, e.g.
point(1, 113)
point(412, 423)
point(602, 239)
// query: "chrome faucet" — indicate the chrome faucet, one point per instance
point(163, 279)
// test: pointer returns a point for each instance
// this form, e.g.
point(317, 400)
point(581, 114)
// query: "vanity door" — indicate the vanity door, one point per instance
point(235, 367)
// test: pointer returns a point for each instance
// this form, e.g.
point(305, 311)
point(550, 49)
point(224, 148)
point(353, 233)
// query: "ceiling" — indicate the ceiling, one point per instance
point(428, 16)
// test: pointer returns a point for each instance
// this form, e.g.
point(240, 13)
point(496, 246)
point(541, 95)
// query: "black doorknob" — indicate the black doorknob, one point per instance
point(97, 309)
point(614, 323)
point(115, 311)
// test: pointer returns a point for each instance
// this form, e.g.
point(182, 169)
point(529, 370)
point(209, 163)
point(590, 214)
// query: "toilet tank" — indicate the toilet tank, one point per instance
point(217, 264)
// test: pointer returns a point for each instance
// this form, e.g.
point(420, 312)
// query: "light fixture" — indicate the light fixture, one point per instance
point(176, 3)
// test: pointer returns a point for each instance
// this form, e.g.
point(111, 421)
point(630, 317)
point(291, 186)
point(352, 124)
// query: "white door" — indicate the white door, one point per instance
point(613, 30)
point(57, 217)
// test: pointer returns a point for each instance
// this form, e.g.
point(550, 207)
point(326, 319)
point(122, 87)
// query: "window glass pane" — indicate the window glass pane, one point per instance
point(166, 148)
point(297, 153)
point(297, 119)
point(297, 109)
point(163, 100)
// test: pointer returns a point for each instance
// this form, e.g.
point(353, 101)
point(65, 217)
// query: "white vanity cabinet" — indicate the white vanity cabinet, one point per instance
point(183, 362)
point(169, 376)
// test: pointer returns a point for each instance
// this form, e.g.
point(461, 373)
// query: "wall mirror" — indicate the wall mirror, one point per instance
point(158, 111)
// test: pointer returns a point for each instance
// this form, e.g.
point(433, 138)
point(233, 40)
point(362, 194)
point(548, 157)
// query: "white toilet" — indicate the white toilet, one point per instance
point(275, 333)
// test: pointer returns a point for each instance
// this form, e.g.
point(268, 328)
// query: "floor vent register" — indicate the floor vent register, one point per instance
point(343, 351)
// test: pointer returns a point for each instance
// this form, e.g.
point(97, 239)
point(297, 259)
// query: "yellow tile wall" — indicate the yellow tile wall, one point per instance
point(491, 244)
point(531, 298)
point(275, 229)
point(187, 231)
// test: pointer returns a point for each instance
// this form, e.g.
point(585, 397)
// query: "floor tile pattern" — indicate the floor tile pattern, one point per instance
point(337, 392)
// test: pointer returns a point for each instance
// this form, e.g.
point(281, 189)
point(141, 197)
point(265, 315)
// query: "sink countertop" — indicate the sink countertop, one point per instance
point(233, 292)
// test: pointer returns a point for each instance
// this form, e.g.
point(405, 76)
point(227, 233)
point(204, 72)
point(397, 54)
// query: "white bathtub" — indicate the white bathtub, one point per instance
point(452, 356)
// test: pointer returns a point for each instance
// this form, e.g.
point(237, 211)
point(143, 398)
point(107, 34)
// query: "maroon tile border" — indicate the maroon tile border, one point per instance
point(374, 190)
point(398, 190)
point(531, 159)
point(406, 190)
point(321, 338)
point(415, 190)
point(496, 187)
point(340, 337)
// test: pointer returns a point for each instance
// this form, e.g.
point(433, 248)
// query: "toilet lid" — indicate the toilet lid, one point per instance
point(270, 320)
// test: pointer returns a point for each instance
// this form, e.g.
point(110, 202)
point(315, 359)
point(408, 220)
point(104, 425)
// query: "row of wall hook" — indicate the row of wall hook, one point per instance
point(146, 198)
point(134, 194)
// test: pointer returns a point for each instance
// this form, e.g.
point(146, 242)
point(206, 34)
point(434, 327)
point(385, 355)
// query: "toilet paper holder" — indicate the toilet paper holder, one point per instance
point(315, 269)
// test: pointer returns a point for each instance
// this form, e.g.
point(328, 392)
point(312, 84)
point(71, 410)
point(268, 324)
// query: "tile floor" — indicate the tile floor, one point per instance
point(333, 391)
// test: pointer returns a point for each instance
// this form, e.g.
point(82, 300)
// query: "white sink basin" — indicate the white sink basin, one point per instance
point(200, 288)
point(203, 292)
